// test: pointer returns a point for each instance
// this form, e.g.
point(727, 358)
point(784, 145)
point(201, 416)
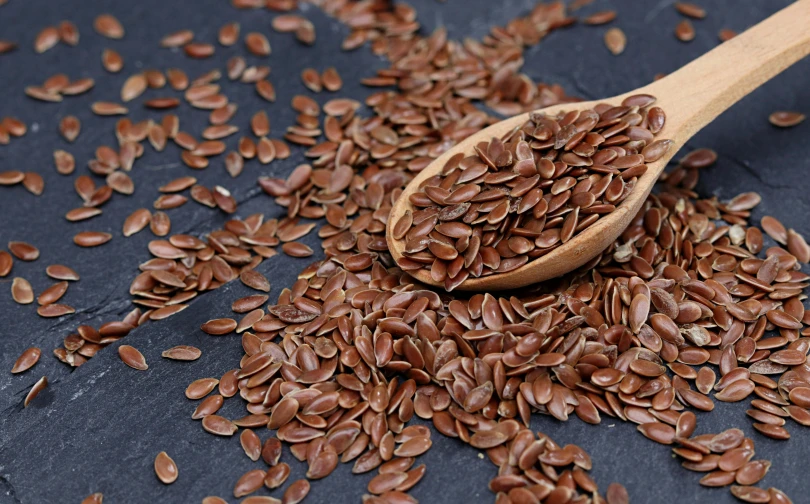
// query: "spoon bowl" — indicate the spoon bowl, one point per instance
point(691, 98)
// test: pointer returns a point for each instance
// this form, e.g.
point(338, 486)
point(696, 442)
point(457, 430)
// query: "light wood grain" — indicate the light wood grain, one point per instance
point(692, 97)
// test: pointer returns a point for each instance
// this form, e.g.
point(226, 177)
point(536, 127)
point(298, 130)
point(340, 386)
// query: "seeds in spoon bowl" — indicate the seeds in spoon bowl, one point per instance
point(520, 197)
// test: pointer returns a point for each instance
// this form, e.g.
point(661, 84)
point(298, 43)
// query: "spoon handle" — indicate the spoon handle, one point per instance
point(700, 91)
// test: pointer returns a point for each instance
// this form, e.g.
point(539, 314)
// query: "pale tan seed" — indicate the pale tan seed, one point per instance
point(26, 360)
point(615, 41)
point(182, 353)
point(112, 61)
point(38, 387)
point(132, 357)
point(165, 468)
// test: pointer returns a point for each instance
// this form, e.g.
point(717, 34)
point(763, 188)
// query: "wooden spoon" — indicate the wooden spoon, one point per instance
point(691, 98)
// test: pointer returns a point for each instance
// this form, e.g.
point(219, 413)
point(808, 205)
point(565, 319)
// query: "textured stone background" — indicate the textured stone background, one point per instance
point(99, 428)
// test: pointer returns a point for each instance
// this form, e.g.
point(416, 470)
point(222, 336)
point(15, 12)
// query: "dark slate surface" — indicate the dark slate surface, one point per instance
point(99, 428)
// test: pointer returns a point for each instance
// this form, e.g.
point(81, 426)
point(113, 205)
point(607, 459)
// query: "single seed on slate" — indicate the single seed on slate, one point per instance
point(6, 263)
point(69, 128)
point(331, 79)
point(137, 221)
point(255, 280)
point(38, 387)
point(726, 34)
point(249, 482)
point(201, 388)
point(257, 44)
point(53, 293)
point(311, 79)
point(132, 357)
point(111, 61)
point(109, 26)
point(23, 251)
point(26, 360)
point(229, 34)
point(177, 39)
point(296, 492)
point(21, 291)
point(690, 10)
point(684, 31)
point(96, 498)
point(600, 18)
point(46, 39)
point(165, 468)
point(297, 249)
point(786, 119)
point(251, 444)
point(182, 353)
point(615, 41)
point(91, 238)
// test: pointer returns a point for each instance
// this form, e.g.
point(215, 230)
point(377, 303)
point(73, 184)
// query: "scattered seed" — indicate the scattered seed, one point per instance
point(615, 41)
point(26, 360)
point(786, 119)
point(165, 468)
point(108, 26)
point(132, 357)
point(38, 387)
